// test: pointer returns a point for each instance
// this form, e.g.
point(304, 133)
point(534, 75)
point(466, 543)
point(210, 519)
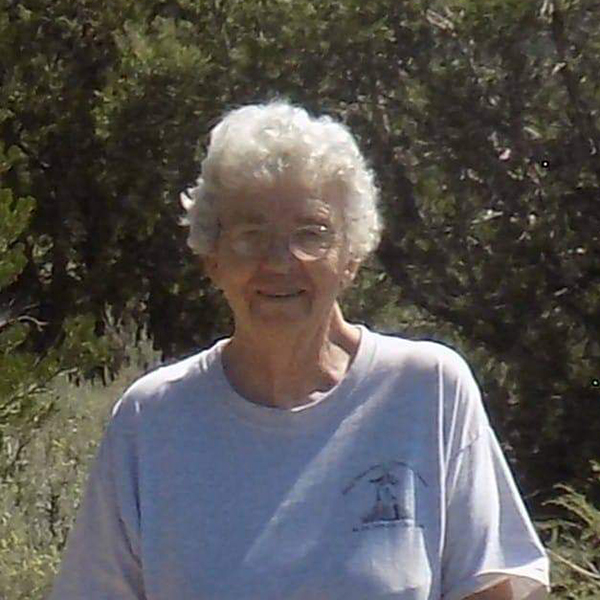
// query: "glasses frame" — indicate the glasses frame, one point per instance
point(263, 245)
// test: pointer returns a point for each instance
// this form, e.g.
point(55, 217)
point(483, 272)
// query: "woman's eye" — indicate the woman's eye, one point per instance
point(321, 231)
point(317, 234)
point(253, 233)
point(249, 233)
point(248, 240)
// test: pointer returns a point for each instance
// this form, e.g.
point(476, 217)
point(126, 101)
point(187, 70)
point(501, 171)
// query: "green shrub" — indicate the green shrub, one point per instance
point(40, 495)
point(573, 541)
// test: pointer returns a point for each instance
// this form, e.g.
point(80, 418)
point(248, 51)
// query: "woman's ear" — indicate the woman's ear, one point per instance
point(350, 271)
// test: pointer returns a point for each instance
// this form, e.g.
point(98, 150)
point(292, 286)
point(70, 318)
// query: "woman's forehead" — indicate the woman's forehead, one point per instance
point(273, 205)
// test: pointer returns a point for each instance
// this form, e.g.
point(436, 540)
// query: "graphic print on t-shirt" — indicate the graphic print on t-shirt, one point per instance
point(390, 487)
point(386, 502)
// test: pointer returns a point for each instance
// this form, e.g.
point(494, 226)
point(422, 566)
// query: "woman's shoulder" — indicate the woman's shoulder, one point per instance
point(420, 355)
point(169, 381)
point(439, 377)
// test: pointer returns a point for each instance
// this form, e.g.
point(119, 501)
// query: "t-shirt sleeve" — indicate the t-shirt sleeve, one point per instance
point(489, 536)
point(102, 556)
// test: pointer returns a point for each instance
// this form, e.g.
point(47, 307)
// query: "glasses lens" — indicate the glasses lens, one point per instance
point(305, 243)
point(311, 242)
point(249, 240)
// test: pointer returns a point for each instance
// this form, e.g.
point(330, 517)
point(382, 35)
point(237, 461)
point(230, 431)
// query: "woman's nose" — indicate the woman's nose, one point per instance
point(279, 254)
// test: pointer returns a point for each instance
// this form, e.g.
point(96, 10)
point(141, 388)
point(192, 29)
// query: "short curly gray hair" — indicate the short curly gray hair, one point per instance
point(257, 145)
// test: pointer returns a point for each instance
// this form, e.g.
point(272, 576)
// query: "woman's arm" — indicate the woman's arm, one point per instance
point(501, 591)
point(102, 557)
point(489, 539)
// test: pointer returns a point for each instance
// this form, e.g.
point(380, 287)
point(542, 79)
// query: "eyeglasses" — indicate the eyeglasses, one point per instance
point(306, 243)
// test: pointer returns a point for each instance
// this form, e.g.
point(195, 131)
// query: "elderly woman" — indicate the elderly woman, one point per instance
point(305, 457)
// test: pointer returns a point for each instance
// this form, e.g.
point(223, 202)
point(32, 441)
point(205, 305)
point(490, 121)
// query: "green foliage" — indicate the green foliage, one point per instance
point(479, 118)
point(14, 218)
point(573, 541)
point(26, 374)
point(40, 495)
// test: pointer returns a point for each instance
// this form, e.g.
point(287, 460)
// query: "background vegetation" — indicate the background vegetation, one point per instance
point(481, 119)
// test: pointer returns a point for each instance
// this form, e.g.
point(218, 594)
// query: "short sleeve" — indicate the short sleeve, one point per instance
point(102, 556)
point(489, 536)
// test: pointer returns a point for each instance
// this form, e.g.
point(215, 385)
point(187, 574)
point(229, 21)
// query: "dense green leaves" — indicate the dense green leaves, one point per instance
point(573, 542)
point(480, 118)
point(24, 402)
point(13, 220)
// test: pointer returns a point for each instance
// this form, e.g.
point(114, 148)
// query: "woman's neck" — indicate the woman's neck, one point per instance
point(283, 371)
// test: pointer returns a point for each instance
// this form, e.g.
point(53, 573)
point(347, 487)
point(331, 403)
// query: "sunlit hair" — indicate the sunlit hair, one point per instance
point(259, 146)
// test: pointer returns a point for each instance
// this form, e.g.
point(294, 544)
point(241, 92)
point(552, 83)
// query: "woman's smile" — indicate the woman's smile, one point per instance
point(280, 295)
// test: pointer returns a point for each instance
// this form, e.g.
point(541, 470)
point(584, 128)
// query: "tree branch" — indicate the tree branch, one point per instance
point(577, 568)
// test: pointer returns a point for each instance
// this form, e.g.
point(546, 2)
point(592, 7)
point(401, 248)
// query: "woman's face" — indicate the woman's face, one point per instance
point(273, 287)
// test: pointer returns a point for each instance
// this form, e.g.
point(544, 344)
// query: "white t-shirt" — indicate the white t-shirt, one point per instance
point(391, 485)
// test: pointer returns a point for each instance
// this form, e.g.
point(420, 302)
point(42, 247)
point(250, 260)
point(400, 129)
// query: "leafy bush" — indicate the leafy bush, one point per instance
point(39, 496)
point(573, 541)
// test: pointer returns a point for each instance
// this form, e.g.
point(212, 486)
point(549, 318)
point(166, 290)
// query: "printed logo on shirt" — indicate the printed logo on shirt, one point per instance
point(383, 495)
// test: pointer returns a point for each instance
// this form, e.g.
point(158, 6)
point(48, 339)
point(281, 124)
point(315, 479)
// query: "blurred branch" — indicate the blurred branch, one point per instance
point(38, 387)
point(11, 314)
point(29, 319)
point(444, 24)
point(593, 575)
point(31, 155)
point(10, 467)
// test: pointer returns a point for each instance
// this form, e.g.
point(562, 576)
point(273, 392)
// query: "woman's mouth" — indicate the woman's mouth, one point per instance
point(281, 295)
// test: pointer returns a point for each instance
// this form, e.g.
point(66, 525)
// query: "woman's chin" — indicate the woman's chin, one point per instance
point(292, 310)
